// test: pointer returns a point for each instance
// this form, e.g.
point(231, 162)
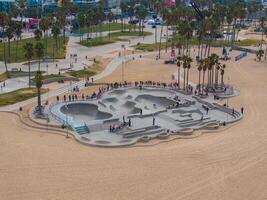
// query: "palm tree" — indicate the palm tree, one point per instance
point(178, 60)
point(188, 66)
point(110, 18)
point(39, 51)
point(199, 68)
point(259, 54)
point(44, 25)
point(37, 34)
point(29, 53)
point(184, 67)
point(204, 68)
point(56, 31)
point(123, 8)
point(18, 32)
point(81, 21)
point(262, 25)
point(141, 13)
point(39, 83)
point(222, 70)
point(3, 24)
point(265, 32)
point(10, 34)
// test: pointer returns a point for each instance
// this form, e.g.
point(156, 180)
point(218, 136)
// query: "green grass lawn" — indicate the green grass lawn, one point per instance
point(18, 96)
point(82, 73)
point(248, 42)
point(45, 77)
point(14, 74)
point(218, 43)
point(114, 37)
point(105, 27)
point(59, 54)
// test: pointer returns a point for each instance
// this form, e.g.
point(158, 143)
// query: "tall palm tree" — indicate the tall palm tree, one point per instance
point(188, 66)
point(199, 68)
point(110, 17)
point(29, 53)
point(18, 33)
point(3, 24)
point(39, 82)
point(123, 8)
point(56, 31)
point(141, 13)
point(262, 25)
point(44, 25)
point(10, 34)
point(81, 21)
point(178, 61)
point(265, 32)
point(39, 51)
point(38, 34)
point(222, 70)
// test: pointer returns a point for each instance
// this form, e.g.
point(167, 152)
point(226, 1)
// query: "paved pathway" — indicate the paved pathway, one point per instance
point(109, 69)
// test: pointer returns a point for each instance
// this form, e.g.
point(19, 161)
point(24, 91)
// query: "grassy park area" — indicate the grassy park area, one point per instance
point(218, 43)
point(18, 96)
point(14, 74)
point(104, 28)
point(113, 37)
point(17, 51)
point(97, 67)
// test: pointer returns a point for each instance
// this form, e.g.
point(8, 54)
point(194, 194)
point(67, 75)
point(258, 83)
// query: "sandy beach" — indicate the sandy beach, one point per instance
point(228, 164)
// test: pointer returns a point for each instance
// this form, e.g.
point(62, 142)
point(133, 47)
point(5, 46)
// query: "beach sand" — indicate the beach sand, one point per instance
point(229, 164)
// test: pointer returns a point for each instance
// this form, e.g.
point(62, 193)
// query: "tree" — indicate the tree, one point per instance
point(265, 32)
point(39, 83)
point(123, 8)
point(18, 32)
point(259, 54)
point(141, 13)
point(44, 25)
point(56, 31)
point(262, 25)
point(29, 53)
point(39, 51)
point(178, 61)
point(10, 34)
point(199, 68)
point(3, 24)
point(38, 34)
point(222, 70)
point(110, 18)
point(81, 21)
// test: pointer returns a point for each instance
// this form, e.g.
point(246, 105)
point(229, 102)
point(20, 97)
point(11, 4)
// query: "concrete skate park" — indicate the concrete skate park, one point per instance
point(126, 115)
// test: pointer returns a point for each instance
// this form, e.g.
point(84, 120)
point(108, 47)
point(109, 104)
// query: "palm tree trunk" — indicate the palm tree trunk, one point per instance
point(184, 78)
point(29, 63)
point(5, 59)
point(17, 49)
point(109, 31)
point(161, 32)
point(178, 78)
point(199, 77)
point(9, 48)
point(187, 78)
point(203, 81)
point(39, 100)
point(167, 38)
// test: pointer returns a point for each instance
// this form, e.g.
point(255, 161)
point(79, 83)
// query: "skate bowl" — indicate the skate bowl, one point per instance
point(128, 115)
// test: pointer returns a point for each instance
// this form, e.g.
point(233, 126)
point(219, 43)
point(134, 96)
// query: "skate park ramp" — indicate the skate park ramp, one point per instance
point(85, 112)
